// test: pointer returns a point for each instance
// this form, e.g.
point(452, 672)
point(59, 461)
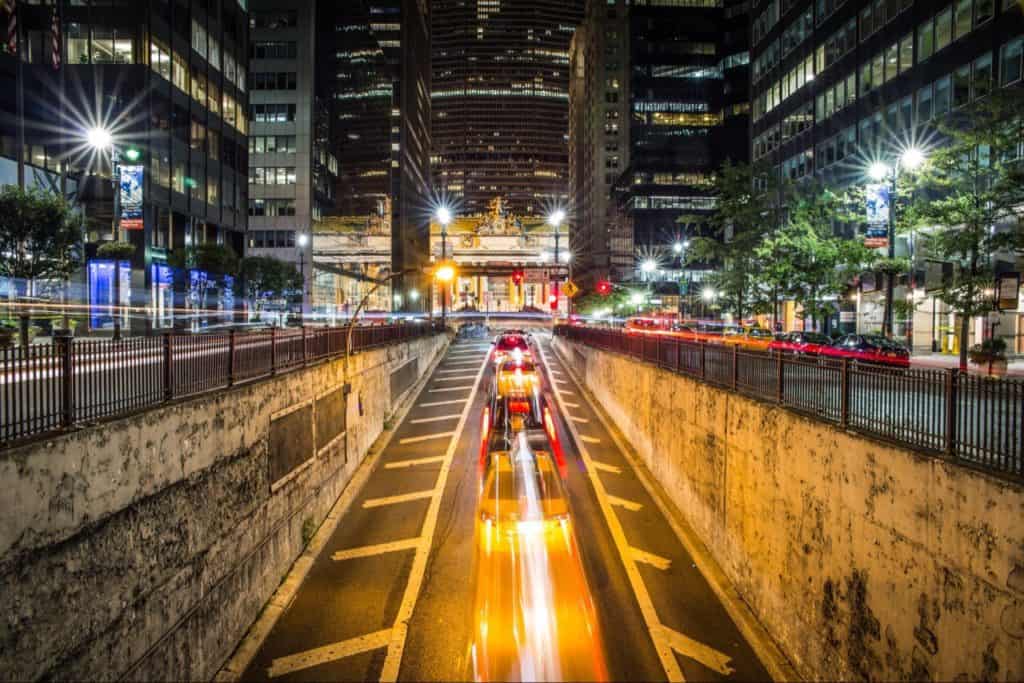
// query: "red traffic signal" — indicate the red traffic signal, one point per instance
point(518, 276)
point(604, 287)
point(553, 300)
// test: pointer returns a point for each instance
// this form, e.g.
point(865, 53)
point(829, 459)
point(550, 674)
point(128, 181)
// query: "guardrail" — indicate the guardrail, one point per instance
point(50, 387)
point(975, 420)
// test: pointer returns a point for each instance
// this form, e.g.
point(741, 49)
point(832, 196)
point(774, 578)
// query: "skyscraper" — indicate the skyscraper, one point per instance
point(500, 101)
point(379, 67)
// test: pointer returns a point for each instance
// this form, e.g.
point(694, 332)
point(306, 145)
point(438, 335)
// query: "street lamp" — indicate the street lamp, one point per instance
point(444, 217)
point(911, 159)
point(678, 247)
point(444, 274)
point(555, 219)
point(102, 140)
point(301, 240)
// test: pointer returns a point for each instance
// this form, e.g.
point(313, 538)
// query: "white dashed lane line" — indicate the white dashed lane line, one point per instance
point(456, 378)
point(605, 467)
point(439, 418)
point(402, 464)
point(401, 498)
point(434, 404)
point(371, 550)
point(329, 653)
point(590, 439)
point(461, 387)
point(623, 503)
point(425, 437)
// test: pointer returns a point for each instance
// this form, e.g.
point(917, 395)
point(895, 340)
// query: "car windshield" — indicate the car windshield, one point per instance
point(814, 338)
point(512, 366)
point(759, 333)
point(883, 343)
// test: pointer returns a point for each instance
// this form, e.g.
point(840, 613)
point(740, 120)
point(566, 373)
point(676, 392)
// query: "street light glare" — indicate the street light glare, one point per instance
point(912, 159)
point(99, 138)
point(303, 239)
point(414, 294)
point(677, 247)
point(636, 299)
point(878, 171)
point(445, 273)
point(556, 217)
point(566, 256)
point(648, 266)
point(708, 294)
point(444, 215)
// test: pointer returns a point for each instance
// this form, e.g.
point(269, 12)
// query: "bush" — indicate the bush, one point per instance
point(993, 349)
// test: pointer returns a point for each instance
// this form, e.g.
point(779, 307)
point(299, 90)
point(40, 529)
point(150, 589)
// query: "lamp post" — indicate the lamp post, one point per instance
point(555, 219)
point(911, 159)
point(444, 217)
point(301, 241)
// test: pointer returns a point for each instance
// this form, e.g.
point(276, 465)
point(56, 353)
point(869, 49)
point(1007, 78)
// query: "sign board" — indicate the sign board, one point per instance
point(876, 237)
point(876, 200)
point(570, 289)
point(131, 197)
point(1008, 291)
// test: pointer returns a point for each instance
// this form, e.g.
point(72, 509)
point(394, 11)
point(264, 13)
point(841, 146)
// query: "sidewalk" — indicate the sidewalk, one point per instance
point(1015, 368)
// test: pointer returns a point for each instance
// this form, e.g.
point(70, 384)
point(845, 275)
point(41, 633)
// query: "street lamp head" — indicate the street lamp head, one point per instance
point(414, 295)
point(677, 247)
point(444, 215)
point(708, 294)
point(303, 239)
point(636, 299)
point(556, 217)
point(879, 171)
point(445, 273)
point(648, 266)
point(912, 159)
point(566, 256)
point(99, 138)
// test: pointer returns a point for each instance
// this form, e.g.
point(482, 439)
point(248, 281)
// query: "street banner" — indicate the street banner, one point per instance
point(131, 197)
point(877, 200)
point(1008, 291)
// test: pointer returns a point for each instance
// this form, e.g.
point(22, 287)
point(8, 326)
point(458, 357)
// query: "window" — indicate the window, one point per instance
point(925, 40)
point(280, 80)
point(943, 29)
point(199, 84)
point(983, 11)
point(77, 40)
point(878, 69)
point(213, 144)
point(213, 101)
point(160, 58)
point(906, 52)
point(198, 38)
point(271, 207)
point(180, 70)
point(272, 175)
point(962, 19)
point(865, 78)
point(212, 191)
point(924, 104)
point(892, 61)
point(981, 78)
point(274, 49)
point(942, 95)
point(274, 113)
point(1010, 61)
point(962, 86)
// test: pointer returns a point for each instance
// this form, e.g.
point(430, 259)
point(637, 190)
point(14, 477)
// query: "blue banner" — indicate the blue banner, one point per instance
point(131, 197)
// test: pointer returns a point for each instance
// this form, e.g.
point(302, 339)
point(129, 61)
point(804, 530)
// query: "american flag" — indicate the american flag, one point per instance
point(55, 38)
point(12, 25)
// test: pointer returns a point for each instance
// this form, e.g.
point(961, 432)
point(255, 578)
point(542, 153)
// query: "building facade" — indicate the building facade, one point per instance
point(292, 168)
point(500, 102)
point(660, 101)
point(377, 58)
point(162, 87)
point(839, 84)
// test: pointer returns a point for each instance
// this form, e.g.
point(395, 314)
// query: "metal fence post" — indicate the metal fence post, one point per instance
point(64, 344)
point(952, 409)
point(273, 350)
point(780, 377)
point(844, 398)
point(679, 352)
point(735, 368)
point(305, 354)
point(231, 358)
point(703, 361)
point(168, 369)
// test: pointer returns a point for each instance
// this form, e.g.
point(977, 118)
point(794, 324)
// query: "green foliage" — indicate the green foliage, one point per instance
point(213, 258)
point(39, 235)
point(265, 278)
point(308, 531)
point(971, 183)
point(116, 250)
point(992, 349)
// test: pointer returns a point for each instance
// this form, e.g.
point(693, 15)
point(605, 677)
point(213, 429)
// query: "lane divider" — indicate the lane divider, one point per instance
point(402, 464)
point(425, 437)
point(328, 653)
point(372, 550)
point(623, 503)
point(400, 498)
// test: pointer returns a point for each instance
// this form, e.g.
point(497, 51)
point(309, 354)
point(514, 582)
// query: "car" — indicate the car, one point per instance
point(869, 348)
point(511, 346)
point(748, 338)
point(804, 343)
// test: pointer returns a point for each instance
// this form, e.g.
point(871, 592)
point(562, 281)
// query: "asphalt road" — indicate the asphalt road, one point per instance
point(396, 591)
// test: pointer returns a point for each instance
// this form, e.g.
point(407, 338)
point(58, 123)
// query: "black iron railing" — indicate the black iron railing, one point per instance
point(54, 386)
point(975, 420)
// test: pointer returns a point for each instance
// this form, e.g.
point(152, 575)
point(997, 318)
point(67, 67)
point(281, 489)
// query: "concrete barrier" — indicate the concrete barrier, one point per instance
point(863, 560)
point(143, 548)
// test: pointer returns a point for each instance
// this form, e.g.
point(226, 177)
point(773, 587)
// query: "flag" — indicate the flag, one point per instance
point(55, 38)
point(12, 26)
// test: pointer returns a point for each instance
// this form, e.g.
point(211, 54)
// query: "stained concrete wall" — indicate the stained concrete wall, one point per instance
point(143, 548)
point(864, 561)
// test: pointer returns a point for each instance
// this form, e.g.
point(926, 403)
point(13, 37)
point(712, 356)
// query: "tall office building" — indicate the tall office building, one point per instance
point(162, 85)
point(292, 168)
point(500, 102)
point(660, 102)
point(378, 63)
point(838, 83)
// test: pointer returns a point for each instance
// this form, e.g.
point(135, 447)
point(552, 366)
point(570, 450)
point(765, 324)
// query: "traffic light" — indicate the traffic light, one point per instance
point(553, 300)
point(517, 277)
point(604, 287)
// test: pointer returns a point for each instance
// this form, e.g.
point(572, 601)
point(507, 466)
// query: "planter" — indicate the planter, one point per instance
point(995, 368)
point(7, 336)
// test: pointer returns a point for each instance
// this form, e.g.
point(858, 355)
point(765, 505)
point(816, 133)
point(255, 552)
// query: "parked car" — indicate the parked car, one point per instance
point(748, 338)
point(869, 348)
point(804, 343)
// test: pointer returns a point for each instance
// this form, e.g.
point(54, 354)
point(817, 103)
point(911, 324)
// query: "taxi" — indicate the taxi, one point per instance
point(748, 338)
point(512, 346)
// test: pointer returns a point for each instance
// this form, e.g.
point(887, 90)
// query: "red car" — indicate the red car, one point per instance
point(869, 348)
point(511, 346)
point(808, 343)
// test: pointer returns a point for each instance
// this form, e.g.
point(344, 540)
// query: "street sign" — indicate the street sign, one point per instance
point(1008, 291)
point(570, 289)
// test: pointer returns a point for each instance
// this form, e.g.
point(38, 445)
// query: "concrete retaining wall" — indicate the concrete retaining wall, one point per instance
point(863, 560)
point(145, 547)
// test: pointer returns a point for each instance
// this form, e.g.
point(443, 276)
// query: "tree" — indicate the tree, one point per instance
point(969, 201)
point(208, 258)
point(40, 237)
point(807, 257)
point(265, 278)
point(749, 201)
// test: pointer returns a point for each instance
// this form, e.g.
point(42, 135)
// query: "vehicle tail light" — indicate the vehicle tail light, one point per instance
point(485, 431)
point(519, 407)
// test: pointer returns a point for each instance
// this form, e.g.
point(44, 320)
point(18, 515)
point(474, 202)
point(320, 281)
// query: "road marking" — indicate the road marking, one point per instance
point(425, 437)
point(401, 464)
point(581, 420)
point(570, 392)
point(590, 439)
point(451, 372)
point(454, 379)
point(460, 365)
point(434, 404)
point(705, 654)
point(661, 644)
point(656, 561)
point(604, 467)
point(401, 498)
point(396, 647)
point(439, 418)
point(371, 550)
point(570, 405)
point(461, 387)
point(623, 503)
point(328, 653)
